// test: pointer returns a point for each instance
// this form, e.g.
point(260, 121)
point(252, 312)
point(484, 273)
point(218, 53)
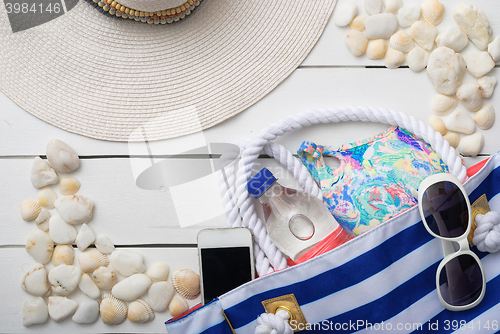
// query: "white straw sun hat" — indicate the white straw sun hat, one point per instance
point(105, 77)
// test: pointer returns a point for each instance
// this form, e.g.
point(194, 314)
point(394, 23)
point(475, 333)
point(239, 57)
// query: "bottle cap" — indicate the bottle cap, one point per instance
point(260, 182)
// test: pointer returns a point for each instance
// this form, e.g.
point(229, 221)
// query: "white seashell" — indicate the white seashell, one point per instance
point(69, 185)
point(373, 7)
point(471, 96)
point(437, 124)
point(84, 238)
point(356, 41)
point(424, 34)
point(186, 282)
point(453, 138)
point(443, 104)
point(344, 14)
point(432, 12)
point(358, 23)
point(75, 209)
point(453, 38)
point(159, 295)
point(91, 259)
point(401, 41)
point(471, 145)
point(42, 174)
point(376, 49)
point(140, 311)
point(113, 310)
point(177, 306)
point(42, 221)
point(131, 287)
point(459, 121)
point(127, 262)
point(494, 49)
point(393, 6)
point(47, 197)
point(87, 312)
point(380, 25)
point(64, 279)
point(60, 231)
point(63, 254)
point(158, 271)
point(61, 307)
point(408, 15)
point(485, 117)
point(35, 281)
point(104, 278)
point(88, 286)
point(487, 85)
point(62, 157)
point(417, 59)
point(394, 58)
point(474, 24)
point(30, 210)
point(104, 245)
point(479, 63)
point(40, 246)
point(445, 69)
point(34, 311)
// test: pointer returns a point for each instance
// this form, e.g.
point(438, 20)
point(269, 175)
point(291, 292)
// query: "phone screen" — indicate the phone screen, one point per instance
point(224, 269)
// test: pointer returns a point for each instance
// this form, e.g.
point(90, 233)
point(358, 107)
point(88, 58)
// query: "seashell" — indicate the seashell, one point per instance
point(30, 210)
point(103, 244)
point(47, 197)
point(408, 15)
point(443, 104)
point(113, 310)
point(393, 6)
point(394, 58)
point(159, 295)
point(380, 25)
point(60, 231)
point(64, 279)
point(40, 246)
point(487, 85)
point(479, 63)
point(87, 312)
point(453, 138)
point(417, 59)
point(373, 7)
point(424, 34)
point(158, 271)
point(140, 311)
point(432, 12)
point(471, 96)
point(63, 254)
point(35, 281)
point(84, 238)
point(177, 306)
point(401, 41)
point(485, 117)
point(42, 221)
point(42, 174)
point(453, 38)
point(34, 311)
point(61, 307)
point(344, 14)
point(75, 209)
point(127, 262)
point(471, 145)
point(88, 286)
point(474, 24)
point(459, 121)
point(376, 49)
point(104, 278)
point(356, 41)
point(69, 185)
point(358, 23)
point(62, 157)
point(437, 124)
point(445, 69)
point(186, 282)
point(131, 287)
point(494, 49)
point(91, 259)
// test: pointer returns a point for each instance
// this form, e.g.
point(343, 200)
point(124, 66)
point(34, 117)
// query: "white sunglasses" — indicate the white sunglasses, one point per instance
point(446, 213)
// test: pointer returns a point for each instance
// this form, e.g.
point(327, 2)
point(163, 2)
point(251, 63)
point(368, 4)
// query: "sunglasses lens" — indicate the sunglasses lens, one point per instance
point(461, 281)
point(445, 209)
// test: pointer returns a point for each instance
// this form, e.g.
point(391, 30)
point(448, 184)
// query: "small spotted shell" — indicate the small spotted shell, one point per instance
point(69, 185)
point(47, 197)
point(186, 282)
point(158, 271)
point(140, 311)
point(91, 259)
point(177, 306)
point(113, 310)
point(30, 210)
point(63, 254)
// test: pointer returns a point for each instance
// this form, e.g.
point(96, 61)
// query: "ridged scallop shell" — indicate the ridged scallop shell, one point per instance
point(63, 254)
point(432, 12)
point(453, 138)
point(140, 311)
point(186, 282)
point(91, 259)
point(401, 41)
point(30, 210)
point(47, 197)
point(158, 271)
point(177, 306)
point(69, 185)
point(437, 124)
point(485, 117)
point(113, 310)
point(443, 104)
point(104, 278)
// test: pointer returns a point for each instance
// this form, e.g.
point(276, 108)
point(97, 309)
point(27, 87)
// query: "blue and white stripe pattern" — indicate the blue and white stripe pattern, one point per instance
point(385, 277)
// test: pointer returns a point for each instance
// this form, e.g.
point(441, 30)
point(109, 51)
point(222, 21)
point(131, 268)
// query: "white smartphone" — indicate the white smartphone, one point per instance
point(226, 260)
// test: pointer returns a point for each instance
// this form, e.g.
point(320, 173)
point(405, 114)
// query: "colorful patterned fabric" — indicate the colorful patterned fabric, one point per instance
point(375, 177)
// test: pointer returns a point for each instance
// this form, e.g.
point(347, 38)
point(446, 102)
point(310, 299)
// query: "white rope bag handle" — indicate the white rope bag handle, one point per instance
point(238, 204)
